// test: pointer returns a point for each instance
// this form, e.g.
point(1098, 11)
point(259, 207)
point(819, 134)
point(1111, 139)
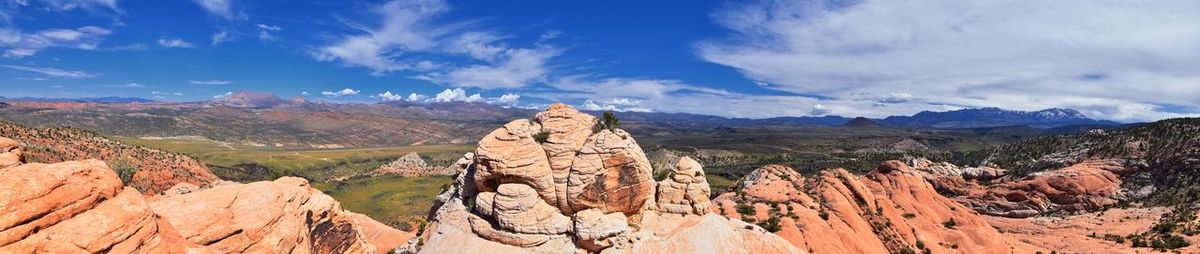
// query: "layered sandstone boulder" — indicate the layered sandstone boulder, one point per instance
point(886, 211)
point(685, 191)
point(10, 153)
point(560, 183)
point(281, 216)
point(79, 207)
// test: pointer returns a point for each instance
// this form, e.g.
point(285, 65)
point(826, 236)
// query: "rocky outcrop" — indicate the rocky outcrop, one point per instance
point(559, 184)
point(281, 216)
point(685, 191)
point(82, 207)
point(79, 207)
point(411, 165)
point(1086, 186)
point(148, 170)
point(10, 153)
point(946, 169)
point(889, 210)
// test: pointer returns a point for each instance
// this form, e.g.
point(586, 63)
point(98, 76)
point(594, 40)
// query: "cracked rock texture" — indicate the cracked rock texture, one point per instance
point(560, 183)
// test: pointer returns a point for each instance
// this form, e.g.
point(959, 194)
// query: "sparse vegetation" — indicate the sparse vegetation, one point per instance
point(541, 137)
point(950, 224)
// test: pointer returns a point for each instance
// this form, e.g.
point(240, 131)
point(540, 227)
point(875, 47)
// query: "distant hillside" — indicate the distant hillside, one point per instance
point(91, 100)
point(862, 122)
point(148, 170)
point(993, 117)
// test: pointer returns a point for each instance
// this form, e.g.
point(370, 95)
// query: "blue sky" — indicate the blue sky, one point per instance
point(1118, 60)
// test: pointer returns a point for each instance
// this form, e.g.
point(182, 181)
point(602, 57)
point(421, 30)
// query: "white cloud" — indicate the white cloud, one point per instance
point(343, 92)
point(53, 72)
point(303, 92)
point(210, 82)
point(518, 69)
point(220, 36)
point(67, 5)
point(619, 104)
point(1115, 60)
point(267, 32)
point(17, 44)
point(172, 42)
point(220, 8)
point(219, 96)
point(414, 97)
point(456, 94)
point(819, 110)
point(508, 98)
point(127, 85)
point(409, 32)
point(161, 94)
point(389, 96)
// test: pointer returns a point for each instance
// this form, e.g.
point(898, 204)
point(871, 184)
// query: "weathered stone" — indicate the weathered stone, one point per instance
point(611, 173)
point(517, 208)
point(566, 129)
point(592, 224)
point(511, 155)
point(10, 153)
point(685, 191)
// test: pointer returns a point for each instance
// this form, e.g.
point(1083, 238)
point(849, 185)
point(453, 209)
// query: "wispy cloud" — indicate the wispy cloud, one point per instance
point(18, 44)
point(127, 85)
point(53, 72)
point(343, 92)
point(467, 57)
point(267, 32)
point(172, 42)
point(1110, 59)
point(210, 82)
point(223, 9)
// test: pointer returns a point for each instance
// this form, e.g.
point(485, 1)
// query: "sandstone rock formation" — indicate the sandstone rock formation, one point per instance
point(10, 153)
point(559, 184)
point(685, 191)
point(886, 211)
point(1087, 186)
point(79, 207)
point(946, 169)
point(82, 207)
point(411, 165)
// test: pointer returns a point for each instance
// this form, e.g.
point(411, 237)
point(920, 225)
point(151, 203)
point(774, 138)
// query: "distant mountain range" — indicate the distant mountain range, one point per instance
point(266, 120)
point(110, 99)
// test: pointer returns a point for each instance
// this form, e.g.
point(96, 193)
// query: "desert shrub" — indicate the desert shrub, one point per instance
point(771, 224)
point(908, 215)
point(744, 208)
point(950, 224)
point(124, 169)
point(541, 137)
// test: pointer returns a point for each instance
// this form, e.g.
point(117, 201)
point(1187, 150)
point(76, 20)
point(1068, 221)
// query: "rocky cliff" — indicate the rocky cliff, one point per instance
point(564, 183)
point(890, 210)
point(412, 165)
point(82, 207)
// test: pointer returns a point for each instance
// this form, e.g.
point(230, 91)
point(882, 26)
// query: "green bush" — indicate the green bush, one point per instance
point(950, 223)
point(541, 137)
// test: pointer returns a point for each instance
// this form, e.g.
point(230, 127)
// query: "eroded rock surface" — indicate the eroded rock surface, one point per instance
point(411, 165)
point(1087, 186)
point(885, 211)
point(562, 184)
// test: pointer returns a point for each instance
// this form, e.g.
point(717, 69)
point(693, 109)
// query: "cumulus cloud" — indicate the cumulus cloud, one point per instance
point(410, 31)
point(415, 97)
point(18, 44)
point(172, 42)
point(819, 110)
point(210, 82)
point(219, 96)
point(389, 96)
point(508, 98)
point(619, 104)
point(52, 72)
point(343, 92)
point(456, 94)
point(1116, 60)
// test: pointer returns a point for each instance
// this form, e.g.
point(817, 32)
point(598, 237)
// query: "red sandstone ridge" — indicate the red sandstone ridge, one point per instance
point(82, 207)
point(561, 184)
point(149, 171)
point(886, 211)
point(1088, 186)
